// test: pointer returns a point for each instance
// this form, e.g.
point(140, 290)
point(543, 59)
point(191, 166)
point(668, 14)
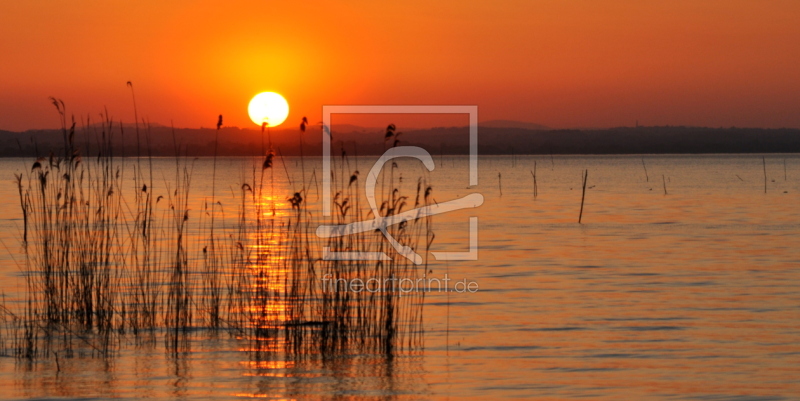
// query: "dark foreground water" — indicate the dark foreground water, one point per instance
point(692, 294)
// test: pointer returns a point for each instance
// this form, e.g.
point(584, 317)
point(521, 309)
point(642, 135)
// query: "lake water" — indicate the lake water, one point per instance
point(692, 294)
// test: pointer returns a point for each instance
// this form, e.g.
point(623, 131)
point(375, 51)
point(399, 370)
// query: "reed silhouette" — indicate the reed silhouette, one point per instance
point(104, 265)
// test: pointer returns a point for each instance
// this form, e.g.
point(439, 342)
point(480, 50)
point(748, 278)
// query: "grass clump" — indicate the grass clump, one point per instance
point(114, 251)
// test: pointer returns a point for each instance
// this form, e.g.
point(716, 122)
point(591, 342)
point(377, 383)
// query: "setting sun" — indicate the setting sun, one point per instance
point(268, 107)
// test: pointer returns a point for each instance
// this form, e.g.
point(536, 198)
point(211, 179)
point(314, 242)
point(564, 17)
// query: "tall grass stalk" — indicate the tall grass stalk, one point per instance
point(109, 258)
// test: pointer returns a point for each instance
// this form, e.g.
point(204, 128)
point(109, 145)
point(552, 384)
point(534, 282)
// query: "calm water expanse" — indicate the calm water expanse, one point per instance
point(690, 295)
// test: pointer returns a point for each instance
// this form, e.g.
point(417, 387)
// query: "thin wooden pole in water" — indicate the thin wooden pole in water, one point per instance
point(764, 163)
point(647, 177)
point(500, 183)
point(664, 181)
point(784, 169)
point(535, 189)
point(583, 195)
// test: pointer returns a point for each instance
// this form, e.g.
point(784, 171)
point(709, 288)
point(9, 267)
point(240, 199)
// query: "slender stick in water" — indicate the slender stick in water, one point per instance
point(500, 183)
point(535, 187)
point(764, 162)
point(664, 180)
point(303, 124)
point(784, 169)
point(583, 195)
point(647, 177)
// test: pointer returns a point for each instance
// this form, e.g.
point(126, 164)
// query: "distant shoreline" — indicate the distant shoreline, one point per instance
point(438, 141)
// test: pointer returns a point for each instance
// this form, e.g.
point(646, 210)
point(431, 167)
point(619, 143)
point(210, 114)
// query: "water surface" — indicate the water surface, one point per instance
point(692, 294)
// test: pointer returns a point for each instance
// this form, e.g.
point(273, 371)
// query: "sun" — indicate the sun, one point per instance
point(268, 107)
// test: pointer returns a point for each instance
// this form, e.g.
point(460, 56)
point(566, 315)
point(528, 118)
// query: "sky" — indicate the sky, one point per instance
point(560, 63)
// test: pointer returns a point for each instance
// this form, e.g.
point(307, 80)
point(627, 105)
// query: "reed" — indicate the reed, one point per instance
point(583, 194)
point(646, 176)
point(212, 261)
point(106, 265)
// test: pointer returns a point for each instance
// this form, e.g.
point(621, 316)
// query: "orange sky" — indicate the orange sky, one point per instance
point(559, 63)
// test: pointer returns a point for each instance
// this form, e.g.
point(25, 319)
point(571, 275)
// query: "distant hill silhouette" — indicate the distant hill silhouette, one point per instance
point(512, 124)
point(163, 141)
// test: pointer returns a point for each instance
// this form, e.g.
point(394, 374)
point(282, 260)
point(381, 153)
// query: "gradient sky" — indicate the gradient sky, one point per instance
point(591, 63)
